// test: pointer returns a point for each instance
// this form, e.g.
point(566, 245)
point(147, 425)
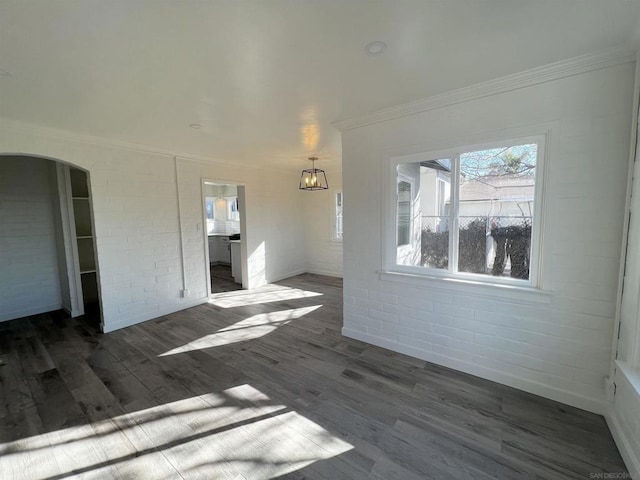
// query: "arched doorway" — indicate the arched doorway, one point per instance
point(47, 237)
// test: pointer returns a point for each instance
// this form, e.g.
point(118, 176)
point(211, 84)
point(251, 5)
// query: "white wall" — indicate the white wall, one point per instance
point(29, 275)
point(429, 192)
point(323, 252)
point(136, 219)
point(557, 344)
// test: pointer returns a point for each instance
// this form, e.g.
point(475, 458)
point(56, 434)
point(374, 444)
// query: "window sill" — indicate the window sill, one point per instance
point(471, 287)
point(632, 375)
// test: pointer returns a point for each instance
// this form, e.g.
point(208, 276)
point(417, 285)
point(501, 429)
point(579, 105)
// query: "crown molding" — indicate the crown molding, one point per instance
point(24, 128)
point(547, 73)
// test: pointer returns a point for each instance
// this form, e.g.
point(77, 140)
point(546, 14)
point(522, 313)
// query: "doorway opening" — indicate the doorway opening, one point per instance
point(225, 236)
point(51, 260)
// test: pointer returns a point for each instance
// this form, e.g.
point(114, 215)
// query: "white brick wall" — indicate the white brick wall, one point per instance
point(29, 277)
point(324, 254)
point(136, 220)
point(557, 345)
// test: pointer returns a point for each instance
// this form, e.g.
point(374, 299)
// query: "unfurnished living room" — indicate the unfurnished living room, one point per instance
point(319, 239)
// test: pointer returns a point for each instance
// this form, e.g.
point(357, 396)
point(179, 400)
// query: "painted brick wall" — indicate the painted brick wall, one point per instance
point(137, 228)
point(29, 279)
point(137, 236)
point(557, 344)
point(324, 254)
point(275, 239)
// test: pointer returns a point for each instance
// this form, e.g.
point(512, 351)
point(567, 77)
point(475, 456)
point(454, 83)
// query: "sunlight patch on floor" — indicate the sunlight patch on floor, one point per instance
point(250, 328)
point(266, 294)
point(238, 433)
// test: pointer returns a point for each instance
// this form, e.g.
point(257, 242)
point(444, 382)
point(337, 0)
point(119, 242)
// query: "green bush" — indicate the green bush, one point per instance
point(435, 248)
point(472, 253)
point(511, 242)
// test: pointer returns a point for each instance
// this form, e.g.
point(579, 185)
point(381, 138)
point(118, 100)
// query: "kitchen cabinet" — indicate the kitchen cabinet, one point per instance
point(236, 263)
point(219, 252)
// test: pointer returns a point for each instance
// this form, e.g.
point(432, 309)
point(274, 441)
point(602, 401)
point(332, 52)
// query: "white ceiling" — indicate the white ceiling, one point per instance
point(266, 78)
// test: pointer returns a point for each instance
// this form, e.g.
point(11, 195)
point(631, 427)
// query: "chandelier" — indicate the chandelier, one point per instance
point(313, 178)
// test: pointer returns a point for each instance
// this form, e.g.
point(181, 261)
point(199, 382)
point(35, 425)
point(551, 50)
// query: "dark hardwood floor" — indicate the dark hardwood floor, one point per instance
point(261, 384)
point(222, 280)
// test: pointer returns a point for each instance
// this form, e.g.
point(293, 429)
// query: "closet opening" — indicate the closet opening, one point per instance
point(49, 261)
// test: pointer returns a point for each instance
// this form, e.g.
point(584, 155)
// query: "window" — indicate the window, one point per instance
point(233, 213)
point(468, 212)
point(209, 204)
point(404, 212)
point(338, 216)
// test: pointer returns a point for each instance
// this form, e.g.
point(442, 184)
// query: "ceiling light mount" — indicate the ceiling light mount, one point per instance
point(195, 126)
point(313, 178)
point(375, 49)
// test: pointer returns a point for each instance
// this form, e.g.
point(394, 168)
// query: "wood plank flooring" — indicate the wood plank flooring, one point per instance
point(259, 385)
point(222, 280)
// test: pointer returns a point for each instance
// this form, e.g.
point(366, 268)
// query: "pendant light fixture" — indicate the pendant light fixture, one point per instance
point(313, 178)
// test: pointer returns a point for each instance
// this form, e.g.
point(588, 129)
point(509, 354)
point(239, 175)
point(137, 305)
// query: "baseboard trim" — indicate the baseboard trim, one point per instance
point(569, 398)
point(5, 317)
point(111, 327)
point(326, 273)
point(67, 308)
point(277, 278)
point(623, 443)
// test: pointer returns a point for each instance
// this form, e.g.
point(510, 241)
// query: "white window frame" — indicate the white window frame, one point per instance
point(337, 236)
point(406, 179)
point(390, 249)
point(232, 215)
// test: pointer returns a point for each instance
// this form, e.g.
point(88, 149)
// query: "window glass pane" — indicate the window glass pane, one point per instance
point(232, 209)
point(339, 215)
point(496, 198)
point(404, 212)
point(209, 202)
point(435, 212)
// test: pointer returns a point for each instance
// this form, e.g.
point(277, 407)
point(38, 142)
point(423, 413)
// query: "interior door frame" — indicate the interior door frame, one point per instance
point(243, 228)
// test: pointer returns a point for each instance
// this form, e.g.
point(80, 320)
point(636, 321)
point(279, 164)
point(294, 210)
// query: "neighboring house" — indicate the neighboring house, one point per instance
point(424, 208)
point(492, 195)
point(497, 196)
